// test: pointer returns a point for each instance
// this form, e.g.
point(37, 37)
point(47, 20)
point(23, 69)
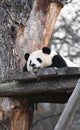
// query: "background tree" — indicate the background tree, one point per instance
point(66, 37)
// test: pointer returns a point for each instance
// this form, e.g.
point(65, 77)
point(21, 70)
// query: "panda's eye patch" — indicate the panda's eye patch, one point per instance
point(30, 62)
point(40, 61)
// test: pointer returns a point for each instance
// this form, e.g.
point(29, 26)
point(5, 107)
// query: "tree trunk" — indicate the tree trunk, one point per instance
point(14, 114)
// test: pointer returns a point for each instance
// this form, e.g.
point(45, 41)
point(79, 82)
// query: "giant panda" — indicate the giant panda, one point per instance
point(45, 58)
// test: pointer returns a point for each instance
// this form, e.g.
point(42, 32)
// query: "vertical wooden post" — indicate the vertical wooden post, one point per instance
point(21, 116)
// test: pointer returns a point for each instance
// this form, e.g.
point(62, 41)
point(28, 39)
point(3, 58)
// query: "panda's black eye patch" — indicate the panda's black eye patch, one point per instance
point(30, 62)
point(40, 61)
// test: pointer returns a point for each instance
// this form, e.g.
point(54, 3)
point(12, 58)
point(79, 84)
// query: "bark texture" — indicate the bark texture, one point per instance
point(10, 107)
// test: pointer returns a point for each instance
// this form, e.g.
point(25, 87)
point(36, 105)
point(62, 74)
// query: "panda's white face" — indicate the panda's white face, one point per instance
point(38, 60)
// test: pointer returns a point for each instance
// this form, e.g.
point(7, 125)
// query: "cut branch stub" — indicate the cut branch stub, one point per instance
point(62, 2)
point(38, 31)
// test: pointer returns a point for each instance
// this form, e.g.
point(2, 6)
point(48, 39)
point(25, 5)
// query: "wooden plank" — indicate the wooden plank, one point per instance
point(26, 76)
point(50, 84)
point(54, 90)
point(46, 73)
point(72, 71)
point(69, 110)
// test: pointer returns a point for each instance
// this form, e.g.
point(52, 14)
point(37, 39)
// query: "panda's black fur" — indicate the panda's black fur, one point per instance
point(44, 58)
point(26, 56)
point(25, 68)
point(46, 50)
point(58, 62)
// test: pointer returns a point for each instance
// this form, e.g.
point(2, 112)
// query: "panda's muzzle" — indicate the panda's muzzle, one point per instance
point(33, 65)
point(35, 69)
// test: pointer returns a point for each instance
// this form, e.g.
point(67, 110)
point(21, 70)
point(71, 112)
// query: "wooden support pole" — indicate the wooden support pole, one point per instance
point(70, 109)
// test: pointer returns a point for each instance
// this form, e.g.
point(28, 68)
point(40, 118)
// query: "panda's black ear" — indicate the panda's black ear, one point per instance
point(26, 56)
point(46, 50)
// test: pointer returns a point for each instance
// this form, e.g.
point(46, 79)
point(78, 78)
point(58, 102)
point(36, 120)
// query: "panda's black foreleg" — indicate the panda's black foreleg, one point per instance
point(58, 62)
point(25, 68)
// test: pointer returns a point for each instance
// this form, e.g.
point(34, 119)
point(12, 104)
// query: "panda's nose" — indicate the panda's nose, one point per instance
point(33, 65)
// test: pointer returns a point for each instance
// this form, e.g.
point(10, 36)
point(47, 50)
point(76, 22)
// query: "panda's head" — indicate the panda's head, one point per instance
point(39, 59)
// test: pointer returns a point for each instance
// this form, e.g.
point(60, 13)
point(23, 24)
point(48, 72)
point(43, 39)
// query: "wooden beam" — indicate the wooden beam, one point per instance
point(69, 110)
point(48, 85)
point(58, 84)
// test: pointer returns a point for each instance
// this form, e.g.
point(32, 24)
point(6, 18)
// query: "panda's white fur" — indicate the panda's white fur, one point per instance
point(69, 63)
point(46, 60)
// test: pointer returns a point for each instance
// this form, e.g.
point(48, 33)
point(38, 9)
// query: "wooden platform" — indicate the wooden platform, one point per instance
point(48, 85)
